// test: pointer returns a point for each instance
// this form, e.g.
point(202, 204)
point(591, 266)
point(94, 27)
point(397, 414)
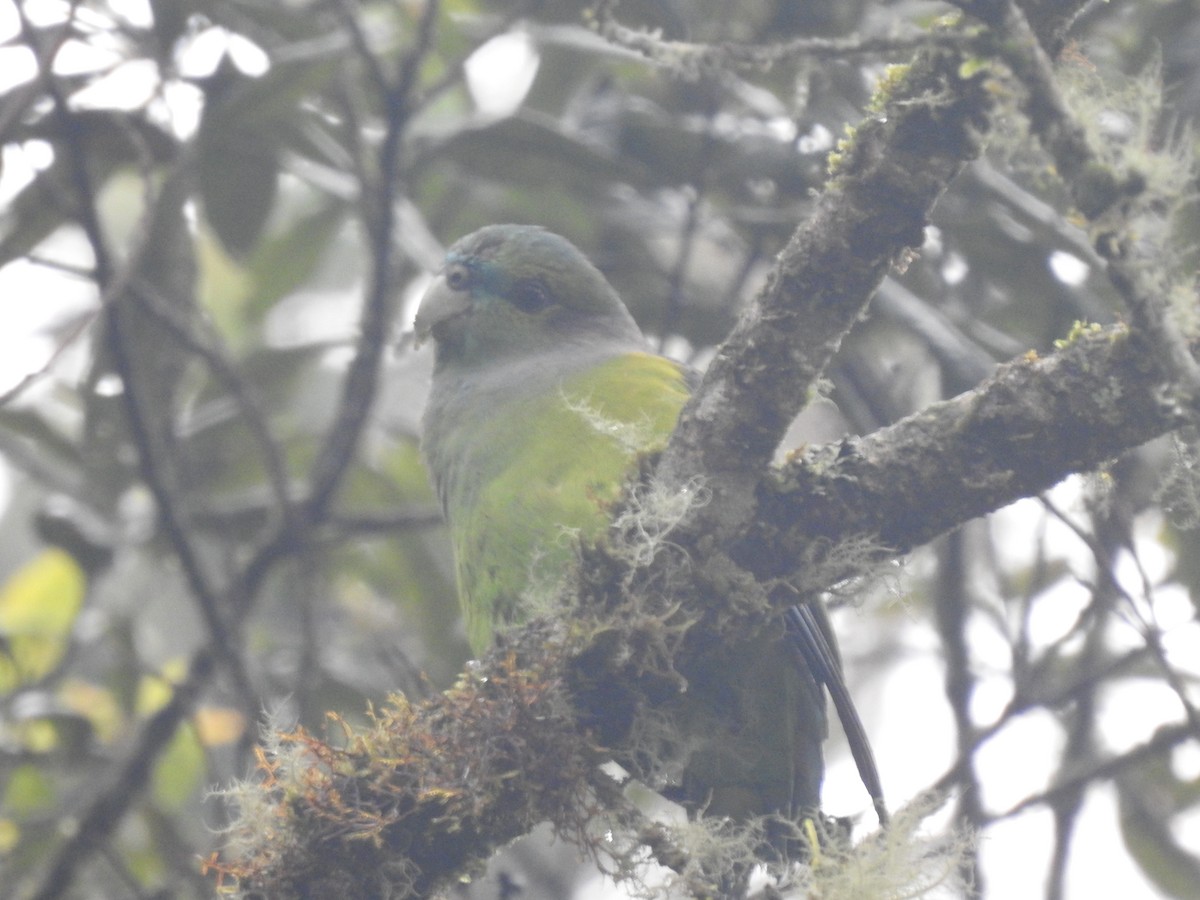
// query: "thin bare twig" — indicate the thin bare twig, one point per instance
point(361, 382)
point(1146, 627)
point(65, 342)
point(951, 612)
point(227, 375)
point(692, 58)
point(689, 229)
point(348, 13)
point(1095, 189)
point(1166, 738)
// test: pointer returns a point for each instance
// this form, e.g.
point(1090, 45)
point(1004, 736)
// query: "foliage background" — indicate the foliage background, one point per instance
point(277, 179)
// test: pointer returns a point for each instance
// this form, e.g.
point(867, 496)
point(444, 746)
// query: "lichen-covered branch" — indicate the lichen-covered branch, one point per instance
point(888, 175)
point(1105, 193)
point(690, 59)
point(1035, 421)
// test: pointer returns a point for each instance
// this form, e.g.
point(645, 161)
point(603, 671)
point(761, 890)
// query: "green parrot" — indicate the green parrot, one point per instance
point(544, 394)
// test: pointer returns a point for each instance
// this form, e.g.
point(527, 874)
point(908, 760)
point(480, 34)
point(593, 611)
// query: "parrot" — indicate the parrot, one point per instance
point(544, 395)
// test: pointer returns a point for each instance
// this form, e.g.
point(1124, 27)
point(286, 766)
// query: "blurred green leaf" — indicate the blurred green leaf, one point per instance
point(27, 792)
point(179, 771)
point(225, 286)
point(238, 176)
point(246, 124)
point(10, 835)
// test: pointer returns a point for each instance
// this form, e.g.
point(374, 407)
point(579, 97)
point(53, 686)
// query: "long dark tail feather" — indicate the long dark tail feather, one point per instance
point(809, 632)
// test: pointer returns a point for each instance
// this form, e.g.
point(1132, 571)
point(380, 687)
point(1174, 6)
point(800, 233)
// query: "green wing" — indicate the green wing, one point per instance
point(545, 472)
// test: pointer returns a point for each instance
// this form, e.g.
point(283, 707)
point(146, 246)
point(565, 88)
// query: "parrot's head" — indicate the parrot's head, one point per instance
point(518, 290)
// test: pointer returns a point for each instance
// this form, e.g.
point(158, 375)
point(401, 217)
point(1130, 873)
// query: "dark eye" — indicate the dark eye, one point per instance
point(531, 297)
point(458, 277)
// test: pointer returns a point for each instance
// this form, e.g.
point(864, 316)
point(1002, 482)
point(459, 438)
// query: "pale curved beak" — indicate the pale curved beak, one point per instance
point(440, 303)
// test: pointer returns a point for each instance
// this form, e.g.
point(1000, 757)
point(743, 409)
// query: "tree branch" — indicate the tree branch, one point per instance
point(691, 58)
point(1035, 421)
point(362, 378)
point(429, 791)
point(890, 173)
point(1104, 195)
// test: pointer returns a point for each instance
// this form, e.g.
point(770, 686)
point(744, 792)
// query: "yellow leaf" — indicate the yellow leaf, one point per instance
point(10, 835)
point(43, 597)
point(38, 606)
point(218, 725)
point(154, 692)
point(38, 735)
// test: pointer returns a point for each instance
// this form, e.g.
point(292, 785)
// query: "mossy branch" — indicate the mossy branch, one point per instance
point(890, 173)
point(420, 797)
point(1035, 421)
